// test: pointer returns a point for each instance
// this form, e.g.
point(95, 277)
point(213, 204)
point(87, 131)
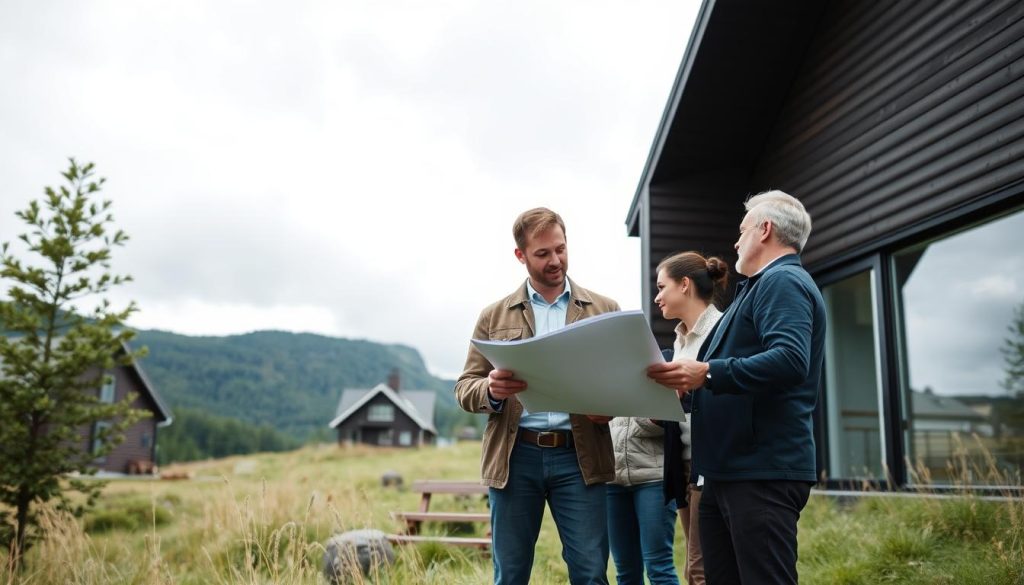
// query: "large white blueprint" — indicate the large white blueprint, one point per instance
point(594, 366)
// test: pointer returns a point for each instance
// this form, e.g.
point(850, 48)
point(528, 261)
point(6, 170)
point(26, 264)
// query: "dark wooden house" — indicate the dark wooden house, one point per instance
point(137, 453)
point(386, 416)
point(900, 125)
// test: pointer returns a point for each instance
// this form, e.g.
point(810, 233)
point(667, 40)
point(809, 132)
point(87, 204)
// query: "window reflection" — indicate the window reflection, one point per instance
point(958, 298)
point(855, 444)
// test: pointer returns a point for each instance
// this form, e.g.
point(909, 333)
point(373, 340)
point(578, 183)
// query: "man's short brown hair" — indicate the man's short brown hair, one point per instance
point(534, 221)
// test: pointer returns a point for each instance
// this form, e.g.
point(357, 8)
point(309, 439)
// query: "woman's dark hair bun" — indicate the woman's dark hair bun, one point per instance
point(710, 276)
point(717, 269)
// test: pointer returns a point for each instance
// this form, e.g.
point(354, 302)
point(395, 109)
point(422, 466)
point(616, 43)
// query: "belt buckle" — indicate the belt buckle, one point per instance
point(542, 434)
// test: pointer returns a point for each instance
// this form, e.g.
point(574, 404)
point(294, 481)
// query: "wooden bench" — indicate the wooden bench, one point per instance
point(414, 520)
point(475, 542)
point(141, 467)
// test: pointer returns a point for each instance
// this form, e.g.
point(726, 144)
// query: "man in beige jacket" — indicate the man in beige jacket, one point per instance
point(530, 458)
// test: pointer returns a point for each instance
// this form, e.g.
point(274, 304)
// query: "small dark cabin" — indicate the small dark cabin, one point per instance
point(386, 416)
point(137, 453)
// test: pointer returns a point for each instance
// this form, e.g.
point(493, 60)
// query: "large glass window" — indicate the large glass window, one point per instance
point(960, 329)
point(855, 443)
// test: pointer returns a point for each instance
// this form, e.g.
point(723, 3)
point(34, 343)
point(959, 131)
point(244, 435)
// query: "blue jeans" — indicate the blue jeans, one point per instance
point(537, 475)
point(641, 527)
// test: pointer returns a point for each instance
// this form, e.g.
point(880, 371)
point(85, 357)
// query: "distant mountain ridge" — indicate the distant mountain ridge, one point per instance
point(291, 381)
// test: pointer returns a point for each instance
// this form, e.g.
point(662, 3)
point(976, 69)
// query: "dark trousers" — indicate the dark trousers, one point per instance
point(748, 530)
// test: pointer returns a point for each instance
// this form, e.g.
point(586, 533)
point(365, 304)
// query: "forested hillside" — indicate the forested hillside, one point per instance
point(291, 382)
point(197, 435)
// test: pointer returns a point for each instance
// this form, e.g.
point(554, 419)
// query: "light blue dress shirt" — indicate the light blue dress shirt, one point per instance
point(548, 317)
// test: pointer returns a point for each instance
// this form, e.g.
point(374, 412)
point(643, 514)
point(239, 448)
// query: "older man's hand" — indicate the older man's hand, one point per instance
point(679, 375)
point(503, 384)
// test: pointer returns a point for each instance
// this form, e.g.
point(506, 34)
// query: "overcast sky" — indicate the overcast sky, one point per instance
point(350, 168)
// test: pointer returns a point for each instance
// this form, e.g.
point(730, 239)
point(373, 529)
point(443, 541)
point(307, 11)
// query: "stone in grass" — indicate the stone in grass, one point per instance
point(356, 551)
point(391, 478)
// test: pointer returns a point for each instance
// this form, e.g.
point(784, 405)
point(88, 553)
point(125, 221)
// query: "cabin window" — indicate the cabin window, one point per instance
point(386, 437)
point(405, 438)
point(381, 413)
point(853, 380)
point(146, 441)
point(959, 309)
point(107, 390)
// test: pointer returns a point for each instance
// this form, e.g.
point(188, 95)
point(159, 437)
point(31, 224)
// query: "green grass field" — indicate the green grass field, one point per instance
point(264, 519)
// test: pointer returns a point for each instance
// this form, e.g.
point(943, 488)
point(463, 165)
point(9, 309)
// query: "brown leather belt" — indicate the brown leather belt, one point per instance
point(547, 438)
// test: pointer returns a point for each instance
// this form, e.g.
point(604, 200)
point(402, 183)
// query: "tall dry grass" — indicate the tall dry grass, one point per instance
point(942, 531)
point(269, 525)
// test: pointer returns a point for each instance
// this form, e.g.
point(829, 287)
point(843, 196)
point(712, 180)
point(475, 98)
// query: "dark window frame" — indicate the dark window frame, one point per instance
point(878, 256)
point(966, 223)
point(893, 461)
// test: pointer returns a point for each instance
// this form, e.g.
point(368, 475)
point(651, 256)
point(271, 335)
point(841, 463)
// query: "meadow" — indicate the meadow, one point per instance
point(264, 519)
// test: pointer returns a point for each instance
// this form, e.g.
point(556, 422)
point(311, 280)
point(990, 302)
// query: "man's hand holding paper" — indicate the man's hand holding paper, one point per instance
point(502, 384)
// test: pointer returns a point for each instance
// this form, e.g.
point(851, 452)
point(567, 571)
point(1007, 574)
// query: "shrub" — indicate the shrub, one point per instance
point(131, 516)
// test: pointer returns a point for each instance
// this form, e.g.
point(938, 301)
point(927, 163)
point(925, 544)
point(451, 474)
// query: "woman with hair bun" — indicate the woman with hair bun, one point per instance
point(688, 285)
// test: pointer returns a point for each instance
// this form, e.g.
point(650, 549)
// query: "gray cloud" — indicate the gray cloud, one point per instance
point(352, 168)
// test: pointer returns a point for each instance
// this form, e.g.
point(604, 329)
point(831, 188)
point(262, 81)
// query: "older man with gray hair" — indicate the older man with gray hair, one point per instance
point(756, 390)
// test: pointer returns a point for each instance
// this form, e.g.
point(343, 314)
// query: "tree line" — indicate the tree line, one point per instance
point(198, 435)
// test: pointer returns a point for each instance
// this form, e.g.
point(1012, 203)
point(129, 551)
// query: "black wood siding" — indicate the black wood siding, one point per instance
point(699, 214)
point(883, 118)
point(901, 110)
point(732, 86)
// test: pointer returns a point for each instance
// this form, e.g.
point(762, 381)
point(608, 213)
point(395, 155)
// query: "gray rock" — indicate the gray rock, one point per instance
point(391, 478)
point(356, 551)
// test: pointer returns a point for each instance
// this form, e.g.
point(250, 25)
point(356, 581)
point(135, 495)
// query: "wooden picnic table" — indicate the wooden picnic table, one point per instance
point(414, 520)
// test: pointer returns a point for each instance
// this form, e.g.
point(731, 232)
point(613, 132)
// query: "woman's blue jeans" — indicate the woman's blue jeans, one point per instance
point(641, 528)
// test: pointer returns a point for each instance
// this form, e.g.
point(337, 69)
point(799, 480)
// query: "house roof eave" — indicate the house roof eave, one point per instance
point(167, 417)
point(394, 398)
point(667, 116)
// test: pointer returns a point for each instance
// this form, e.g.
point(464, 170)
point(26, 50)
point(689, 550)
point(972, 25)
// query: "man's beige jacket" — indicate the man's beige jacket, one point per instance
point(512, 318)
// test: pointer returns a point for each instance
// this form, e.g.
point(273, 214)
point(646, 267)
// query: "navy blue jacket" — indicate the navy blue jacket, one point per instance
point(753, 421)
